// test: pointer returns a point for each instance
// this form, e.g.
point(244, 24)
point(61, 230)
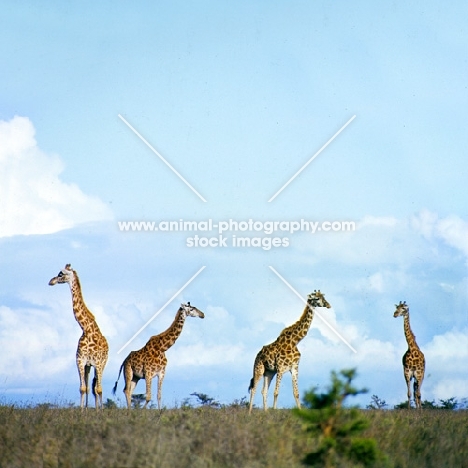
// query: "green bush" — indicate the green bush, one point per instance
point(335, 429)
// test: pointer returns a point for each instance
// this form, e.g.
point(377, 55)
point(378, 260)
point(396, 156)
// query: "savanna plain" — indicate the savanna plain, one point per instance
point(45, 436)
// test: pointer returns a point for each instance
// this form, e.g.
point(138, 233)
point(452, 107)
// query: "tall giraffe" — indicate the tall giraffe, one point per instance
point(282, 355)
point(414, 363)
point(150, 361)
point(92, 348)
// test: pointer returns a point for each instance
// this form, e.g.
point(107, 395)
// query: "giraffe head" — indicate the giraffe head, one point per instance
point(64, 276)
point(401, 309)
point(317, 299)
point(191, 311)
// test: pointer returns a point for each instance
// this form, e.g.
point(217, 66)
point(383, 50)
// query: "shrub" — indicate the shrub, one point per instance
point(376, 403)
point(336, 428)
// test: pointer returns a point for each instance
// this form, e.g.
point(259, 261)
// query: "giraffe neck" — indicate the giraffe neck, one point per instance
point(299, 330)
point(83, 315)
point(167, 338)
point(409, 335)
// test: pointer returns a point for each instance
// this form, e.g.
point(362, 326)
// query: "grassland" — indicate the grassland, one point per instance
point(207, 437)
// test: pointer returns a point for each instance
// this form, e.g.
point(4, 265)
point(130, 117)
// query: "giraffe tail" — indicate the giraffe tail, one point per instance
point(93, 386)
point(118, 378)
point(251, 384)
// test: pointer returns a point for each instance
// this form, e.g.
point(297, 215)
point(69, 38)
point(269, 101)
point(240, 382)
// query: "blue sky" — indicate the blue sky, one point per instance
point(237, 97)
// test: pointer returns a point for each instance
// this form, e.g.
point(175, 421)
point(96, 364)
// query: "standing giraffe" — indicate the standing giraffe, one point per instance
point(92, 346)
point(282, 355)
point(414, 363)
point(150, 361)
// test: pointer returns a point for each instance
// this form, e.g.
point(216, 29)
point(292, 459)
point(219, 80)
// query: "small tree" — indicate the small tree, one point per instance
point(110, 404)
point(239, 403)
point(137, 400)
point(205, 400)
point(426, 404)
point(186, 403)
point(402, 405)
point(336, 428)
point(449, 404)
point(376, 403)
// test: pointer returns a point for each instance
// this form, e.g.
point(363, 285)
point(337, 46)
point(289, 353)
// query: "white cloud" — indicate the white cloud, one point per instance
point(33, 198)
point(449, 352)
point(326, 322)
point(452, 229)
point(451, 387)
point(375, 241)
point(378, 221)
point(376, 282)
point(424, 222)
point(385, 242)
point(202, 355)
point(33, 340)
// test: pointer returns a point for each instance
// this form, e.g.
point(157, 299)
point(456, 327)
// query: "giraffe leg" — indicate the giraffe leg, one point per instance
point(81, 373)
point(259, 369)
point(99, 370)
point(416, 393)
point(128, 395)
point(97, 387)
point(86, 378)
point(252, 395)
point(161, 372)
point(130, 384)
point(279, 376)
point(294, 375)
point(408, 385)
point(149, 380)
point(267, 378)
point(418, 379)
point(160, 382)
point(93, 390)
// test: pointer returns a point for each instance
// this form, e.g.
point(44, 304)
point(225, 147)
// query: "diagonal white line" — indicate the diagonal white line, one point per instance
point(312, 158)
point(161, 309)
point(160, 157)
point(315, 310)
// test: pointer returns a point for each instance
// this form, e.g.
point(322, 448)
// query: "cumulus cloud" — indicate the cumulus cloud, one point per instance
point(33, 341)
point(446, 371)
point(451, 387)
point(33, 198)
point(388, 240)
point(326, 322)
point(206, 355)
point(449, 350)
point(452, 229)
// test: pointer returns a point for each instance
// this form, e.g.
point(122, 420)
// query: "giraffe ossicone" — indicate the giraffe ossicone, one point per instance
point(150, 361)
point(282, 355)
point(414, 363)
point(92, 348)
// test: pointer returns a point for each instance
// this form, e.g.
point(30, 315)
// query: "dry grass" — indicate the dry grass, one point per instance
point(207, 437)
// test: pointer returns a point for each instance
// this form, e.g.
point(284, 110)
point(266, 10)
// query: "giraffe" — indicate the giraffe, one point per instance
point(150, 361)
point(92, 348)
point(282, 355)
point(413, 360)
